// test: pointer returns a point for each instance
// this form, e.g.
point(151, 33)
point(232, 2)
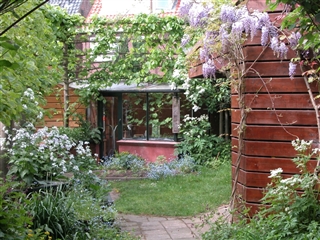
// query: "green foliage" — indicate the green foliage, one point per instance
point(88, 194)
point(45, 154)
point(146, 45)
point(85, 132)
point(292, 210)
point(206, 149)
point(14, 217)
point(71, 33)
point(208, 93)
point(53, 212)
point(28, 60)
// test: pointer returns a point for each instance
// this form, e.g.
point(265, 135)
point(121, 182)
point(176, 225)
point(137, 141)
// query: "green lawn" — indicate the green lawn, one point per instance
point(185, 195)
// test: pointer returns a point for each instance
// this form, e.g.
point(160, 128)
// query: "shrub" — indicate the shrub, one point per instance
point(206, 149)
point(45, 154)
point(292, 210)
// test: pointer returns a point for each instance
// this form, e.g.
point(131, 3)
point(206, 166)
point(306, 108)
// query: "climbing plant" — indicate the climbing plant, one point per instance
point(138, 49)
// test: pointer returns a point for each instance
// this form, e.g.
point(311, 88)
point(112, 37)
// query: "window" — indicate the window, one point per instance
point(164, 5)
point(147, 116)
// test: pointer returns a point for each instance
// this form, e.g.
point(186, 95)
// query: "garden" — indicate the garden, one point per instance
point(54, 187)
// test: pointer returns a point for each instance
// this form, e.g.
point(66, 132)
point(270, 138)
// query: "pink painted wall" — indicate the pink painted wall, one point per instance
point(148, 150)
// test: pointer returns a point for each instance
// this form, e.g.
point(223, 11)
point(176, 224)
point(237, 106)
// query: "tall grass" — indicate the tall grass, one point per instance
point(183, 195)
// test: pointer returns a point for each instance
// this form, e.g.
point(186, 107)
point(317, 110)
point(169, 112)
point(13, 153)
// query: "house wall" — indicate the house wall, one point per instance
point(55, 108)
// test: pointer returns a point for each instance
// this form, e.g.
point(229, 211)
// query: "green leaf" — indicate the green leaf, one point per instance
point(5, 63)
point(9, 46)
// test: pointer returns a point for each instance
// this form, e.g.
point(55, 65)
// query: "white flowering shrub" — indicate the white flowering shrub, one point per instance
point(45, 154)
point(198, 143)
point(292, 206)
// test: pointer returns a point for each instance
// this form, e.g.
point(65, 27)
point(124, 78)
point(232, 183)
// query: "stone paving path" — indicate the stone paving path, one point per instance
point(164, 228)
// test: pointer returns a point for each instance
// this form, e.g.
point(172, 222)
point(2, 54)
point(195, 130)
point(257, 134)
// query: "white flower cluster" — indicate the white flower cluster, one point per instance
point(301, 145)
point(29, 94)
point(275, 173)
point(48, 148)
point(203, 117)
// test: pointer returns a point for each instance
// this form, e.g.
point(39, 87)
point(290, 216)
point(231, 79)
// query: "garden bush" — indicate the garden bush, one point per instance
point(292, 206)
point(206, 149)
point(45, 154)
point(79, 211)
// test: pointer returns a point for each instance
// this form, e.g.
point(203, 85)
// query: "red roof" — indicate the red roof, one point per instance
point(97, 6)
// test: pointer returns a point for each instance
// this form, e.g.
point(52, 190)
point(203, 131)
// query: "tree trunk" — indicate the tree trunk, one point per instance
point(65, 87)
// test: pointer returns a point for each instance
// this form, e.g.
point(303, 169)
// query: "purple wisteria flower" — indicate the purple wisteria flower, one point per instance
point(237, 30)
point(224, 38)
point(264, 19)
point(185, 8)
point(208, 69)
point(292, 69)
point(294, 39)
point(204, 53)
point(282, 50)
point(246, 20)
point(279, 48)
point(274, 44)
point(198, 15)
point(241, 13)
point(208, 41)
point(264, 35)
point(185, 39)
point(253, 27)
point(210, 37)
point(228, 14)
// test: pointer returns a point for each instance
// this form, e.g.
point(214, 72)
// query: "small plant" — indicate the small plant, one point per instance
point(90, 182)
point(124, 161)
point(53, 212)
point(292, 210)
point(158, 171)
point(162, 168)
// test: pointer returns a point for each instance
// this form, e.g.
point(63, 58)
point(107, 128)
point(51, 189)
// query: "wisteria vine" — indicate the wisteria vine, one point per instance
point(235, 25)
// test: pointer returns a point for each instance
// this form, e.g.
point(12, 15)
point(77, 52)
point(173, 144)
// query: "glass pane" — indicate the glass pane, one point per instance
point(134, 116)
point(160, 116)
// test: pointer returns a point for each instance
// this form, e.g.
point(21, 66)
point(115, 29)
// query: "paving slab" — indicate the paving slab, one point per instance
point(168, 228)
